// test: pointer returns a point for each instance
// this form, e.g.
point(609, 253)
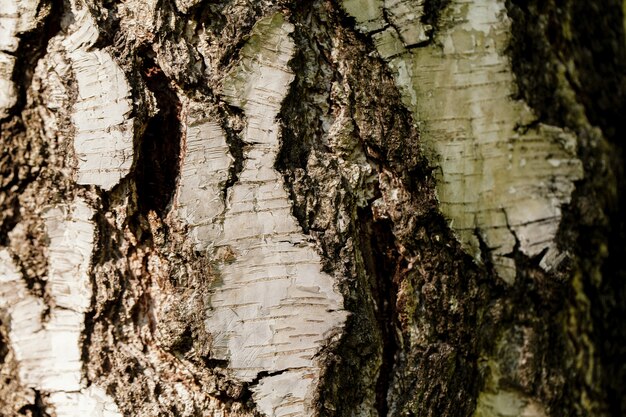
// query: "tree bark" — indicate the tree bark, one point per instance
point(325, 208)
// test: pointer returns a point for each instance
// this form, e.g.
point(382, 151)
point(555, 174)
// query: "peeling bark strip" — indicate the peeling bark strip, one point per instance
point(502, 178)
point(46, 338)
point(275, 308)
point(103, 140)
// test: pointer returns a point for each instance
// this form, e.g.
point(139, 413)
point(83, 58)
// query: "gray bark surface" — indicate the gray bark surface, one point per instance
point(326, 208)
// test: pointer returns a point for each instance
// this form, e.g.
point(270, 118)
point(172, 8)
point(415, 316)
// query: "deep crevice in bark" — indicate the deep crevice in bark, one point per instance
point(432, 12)
point(9, 222)
point(13, 130)
point(158, 162)
point(4, 347)
point(304, 111)
point(381, 263)
point(485, 253)
point(214, 363)
point(370, 334)
point(106, 16)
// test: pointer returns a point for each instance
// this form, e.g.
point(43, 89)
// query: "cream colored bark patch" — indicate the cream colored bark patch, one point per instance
point(47, 347)
point(507, 404)
point(496, 181)
point(274, 308)
point(16, 17)
point(203, 174)
point(103, 140)
point(92, 401)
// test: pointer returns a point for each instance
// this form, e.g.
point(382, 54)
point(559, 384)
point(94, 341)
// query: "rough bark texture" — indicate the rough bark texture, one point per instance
point(333, 208)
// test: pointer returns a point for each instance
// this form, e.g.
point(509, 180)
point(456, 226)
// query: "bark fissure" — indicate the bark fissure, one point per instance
point(33, 45)
point(433, 10)
point(38, 409)
point(17, 177)
point(232, 122)
point(158, 162)
point(381, 265)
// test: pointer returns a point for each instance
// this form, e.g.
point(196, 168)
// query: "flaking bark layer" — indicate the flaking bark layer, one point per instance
point(247, 208)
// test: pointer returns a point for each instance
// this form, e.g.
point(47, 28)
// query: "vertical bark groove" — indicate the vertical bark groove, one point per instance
point(381, 265)
point(232, 124)
point(158, 162)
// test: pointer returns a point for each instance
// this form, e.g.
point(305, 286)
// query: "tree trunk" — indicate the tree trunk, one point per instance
point(329, 208)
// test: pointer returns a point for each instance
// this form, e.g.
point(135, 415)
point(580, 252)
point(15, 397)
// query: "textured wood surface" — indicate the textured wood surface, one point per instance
point(203, 175)
point(502, 178)
point(45, 335)
point(103, 140)
point(328, 208)
point(16, 18)
point(274, 307)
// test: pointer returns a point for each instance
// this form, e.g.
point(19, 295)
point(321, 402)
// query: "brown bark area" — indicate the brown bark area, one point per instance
point(575, 80)
point(428, 326)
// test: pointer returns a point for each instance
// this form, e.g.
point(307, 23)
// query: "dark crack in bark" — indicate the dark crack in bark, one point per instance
point(232, 121)
point(402, 267)
point(433, 10)
point(158, 161)
point(26, 153)
point(38, 409)
point(381, 263)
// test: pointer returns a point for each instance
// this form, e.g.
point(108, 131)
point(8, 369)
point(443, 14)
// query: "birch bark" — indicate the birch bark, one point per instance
point(325, 208)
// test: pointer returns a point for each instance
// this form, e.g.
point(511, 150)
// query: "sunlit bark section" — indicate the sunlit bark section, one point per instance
point(45, 334)
point(16, 17)
point(204, 172)
point(502, 178)
point(274, 308)
point(103, 139)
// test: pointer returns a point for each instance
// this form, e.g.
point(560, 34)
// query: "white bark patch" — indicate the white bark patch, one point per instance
point(48, 348)
point(507, 404)
point(495, 181)
point(282, 394)
point(16, 17)
point(104, 131)
point(406, 16)
point(203, 173)
point(92, 401)
point(8, 93)
point(274, 307)
point(71, 234)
